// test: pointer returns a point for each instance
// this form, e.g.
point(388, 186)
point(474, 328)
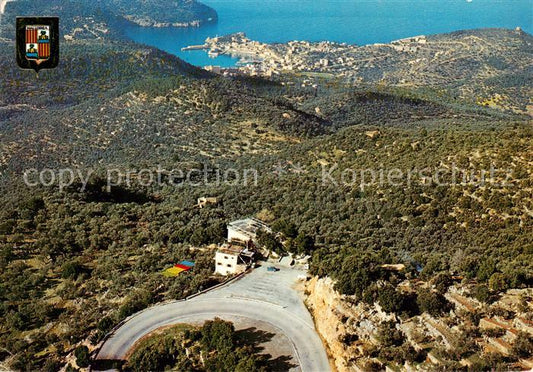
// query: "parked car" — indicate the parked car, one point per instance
point(272, 268)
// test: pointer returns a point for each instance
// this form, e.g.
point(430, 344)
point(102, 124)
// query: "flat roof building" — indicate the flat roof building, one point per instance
point(233, 259)
point(238, 253)
point(246, 230)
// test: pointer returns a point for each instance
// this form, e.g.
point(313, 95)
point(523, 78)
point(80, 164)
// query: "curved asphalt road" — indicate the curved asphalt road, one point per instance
point(226, 304)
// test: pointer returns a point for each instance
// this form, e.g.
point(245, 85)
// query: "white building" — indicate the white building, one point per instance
point(246, 230)
point(204, 201)
point(213, 69)
point(238, 254)
point(232, 259)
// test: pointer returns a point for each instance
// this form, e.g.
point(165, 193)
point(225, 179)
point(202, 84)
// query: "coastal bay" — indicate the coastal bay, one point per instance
point(345, 21)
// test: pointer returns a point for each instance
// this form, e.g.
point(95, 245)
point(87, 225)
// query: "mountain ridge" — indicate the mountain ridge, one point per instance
point(106, 19)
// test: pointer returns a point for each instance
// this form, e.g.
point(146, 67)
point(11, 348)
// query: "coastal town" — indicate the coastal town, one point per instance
point(439, 61)
point(353, 62)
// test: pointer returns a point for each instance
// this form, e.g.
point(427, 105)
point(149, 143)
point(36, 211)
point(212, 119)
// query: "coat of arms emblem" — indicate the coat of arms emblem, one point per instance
point(37, 42)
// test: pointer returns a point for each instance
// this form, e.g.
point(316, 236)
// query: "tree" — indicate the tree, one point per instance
point(30, 207)
point(248, 364)
point(486, 269)
point(432, 302)
point(198, 237)
point(304, 244)
point(523, 346)
point(436, 263)
point(497, 282)
point(82, 356)
point(52, 365)
point(269, 241)
point(217, 335)
point(105, 324)
point(469, 266)
point(288, 229)
point(70, 368)
point(137, 302)
point(393, 301)
point(481, 293)
point(442, 282)
point(389, 335)
point(71, 270)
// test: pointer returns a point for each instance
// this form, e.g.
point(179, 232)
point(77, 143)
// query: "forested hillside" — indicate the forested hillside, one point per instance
point(97, 255)
point(88, 70)
point(123, 103)
point(84, 19)
point(156, 13)
point(75, 262)
point(78, 18)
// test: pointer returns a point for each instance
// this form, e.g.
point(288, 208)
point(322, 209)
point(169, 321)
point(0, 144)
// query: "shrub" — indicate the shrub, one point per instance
point(482, 293)
point(82, 356)
point(523, 346)
point(71, 270)
point(432, 302)
point(389, 335)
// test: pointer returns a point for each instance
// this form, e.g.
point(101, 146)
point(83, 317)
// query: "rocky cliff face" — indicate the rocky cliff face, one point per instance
point(328, 311)
point(354, 335)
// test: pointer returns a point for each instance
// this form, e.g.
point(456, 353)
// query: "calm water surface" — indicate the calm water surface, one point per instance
point(351, 21)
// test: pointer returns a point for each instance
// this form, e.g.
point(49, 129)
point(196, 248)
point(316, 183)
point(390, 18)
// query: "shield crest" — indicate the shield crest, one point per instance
point(37, 42)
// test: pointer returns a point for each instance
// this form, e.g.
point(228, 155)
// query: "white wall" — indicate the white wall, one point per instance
point(235, 234)
point(225, 263)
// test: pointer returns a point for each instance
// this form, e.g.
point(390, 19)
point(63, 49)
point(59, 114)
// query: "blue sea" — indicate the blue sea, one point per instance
point(350, 21)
